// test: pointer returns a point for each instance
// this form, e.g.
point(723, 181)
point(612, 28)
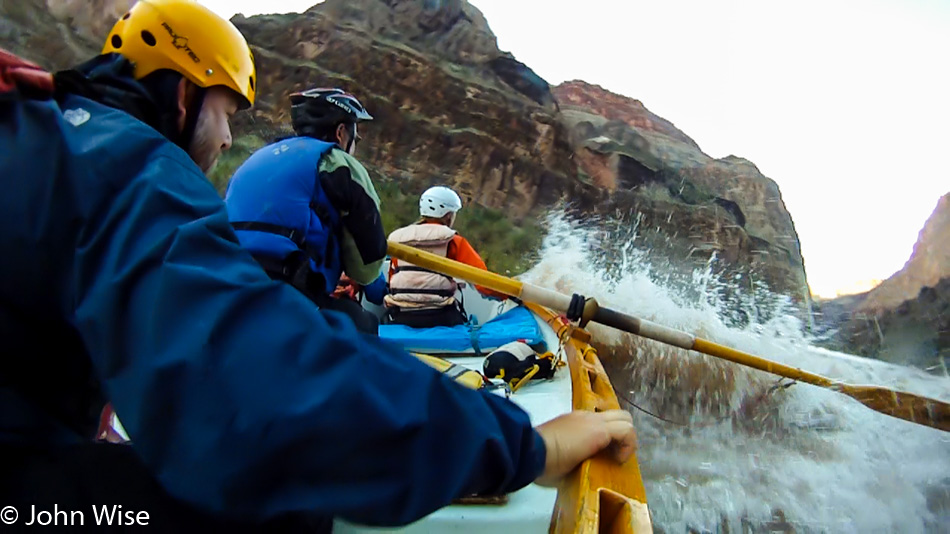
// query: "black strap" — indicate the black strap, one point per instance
point(576, 309)
point(295, 270)
point(274, 267)
point(455, 370)
point(394, 311)
point(191, 124)
point(415, 269)
point(322, 211)
point(349, 144)
point(293, 234)
point(440, 292)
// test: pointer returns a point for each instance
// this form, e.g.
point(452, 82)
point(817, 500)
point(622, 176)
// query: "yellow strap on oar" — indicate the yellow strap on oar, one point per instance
point(518, 382)
point(907, 406)
point(460, 374)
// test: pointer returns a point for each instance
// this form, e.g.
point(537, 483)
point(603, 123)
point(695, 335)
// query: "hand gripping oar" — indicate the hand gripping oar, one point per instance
point(900, 404)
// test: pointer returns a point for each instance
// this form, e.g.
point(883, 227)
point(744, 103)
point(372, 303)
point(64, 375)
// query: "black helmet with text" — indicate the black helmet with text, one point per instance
point(317, 113)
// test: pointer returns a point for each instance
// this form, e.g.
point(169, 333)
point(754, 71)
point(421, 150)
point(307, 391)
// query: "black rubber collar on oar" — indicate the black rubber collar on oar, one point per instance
point(582, 309)
point(576, 310)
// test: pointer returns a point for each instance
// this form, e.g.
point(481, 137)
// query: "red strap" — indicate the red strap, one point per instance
point(17, 74)
point(107, 431)
point(346, 288)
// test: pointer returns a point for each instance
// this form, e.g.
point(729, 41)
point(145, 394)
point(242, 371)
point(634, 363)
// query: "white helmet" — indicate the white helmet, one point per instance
point(437, 201)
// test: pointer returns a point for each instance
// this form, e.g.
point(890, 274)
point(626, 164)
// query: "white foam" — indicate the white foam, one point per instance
point(825, 461)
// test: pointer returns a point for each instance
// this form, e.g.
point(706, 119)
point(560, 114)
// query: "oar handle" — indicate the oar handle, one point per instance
point(642, 327)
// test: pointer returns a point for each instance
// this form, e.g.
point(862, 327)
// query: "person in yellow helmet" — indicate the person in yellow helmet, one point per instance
point(247, 407)
point(196, 67)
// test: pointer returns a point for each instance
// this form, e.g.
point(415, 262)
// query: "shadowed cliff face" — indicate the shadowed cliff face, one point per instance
point(906, 319)
point(928, 264)
point(451, 108)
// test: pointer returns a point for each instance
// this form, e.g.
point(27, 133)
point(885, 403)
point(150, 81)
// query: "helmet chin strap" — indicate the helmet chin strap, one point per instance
point(192, 113)
point(349, 144)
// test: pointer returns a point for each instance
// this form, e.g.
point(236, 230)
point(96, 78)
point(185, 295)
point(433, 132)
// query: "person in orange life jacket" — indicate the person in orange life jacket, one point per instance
point(421, 298)
point(123, 281)
point(307, 210)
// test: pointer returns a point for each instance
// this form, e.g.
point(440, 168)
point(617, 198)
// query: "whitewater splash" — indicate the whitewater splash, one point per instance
point(740, 452)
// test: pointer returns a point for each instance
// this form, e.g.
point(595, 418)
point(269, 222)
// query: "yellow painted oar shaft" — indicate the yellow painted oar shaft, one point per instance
point(900, 404)
point(503, 284)
point(733, 355)
point(683, 340)
point(921, 410)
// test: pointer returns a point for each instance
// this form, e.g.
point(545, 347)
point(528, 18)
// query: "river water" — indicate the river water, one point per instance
point(738, 452)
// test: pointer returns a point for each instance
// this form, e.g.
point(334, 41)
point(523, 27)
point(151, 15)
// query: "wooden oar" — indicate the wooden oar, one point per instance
point(900, 404)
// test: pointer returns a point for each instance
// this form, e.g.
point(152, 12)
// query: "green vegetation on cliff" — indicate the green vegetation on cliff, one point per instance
point(508, 247)
point(241, 149)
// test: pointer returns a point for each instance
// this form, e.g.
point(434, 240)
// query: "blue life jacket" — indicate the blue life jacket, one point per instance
point(279, 210)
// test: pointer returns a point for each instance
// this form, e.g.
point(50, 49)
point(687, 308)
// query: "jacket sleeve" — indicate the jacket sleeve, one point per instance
point(349, 188)
point(376, 291)
point(246, 400)
point(460, 249)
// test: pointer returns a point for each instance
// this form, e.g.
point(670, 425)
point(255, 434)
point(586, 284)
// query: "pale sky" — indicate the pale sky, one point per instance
point(844, 103)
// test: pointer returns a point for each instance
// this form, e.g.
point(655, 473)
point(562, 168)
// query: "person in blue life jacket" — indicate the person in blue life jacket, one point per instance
point(249, 410)
point(307, 210)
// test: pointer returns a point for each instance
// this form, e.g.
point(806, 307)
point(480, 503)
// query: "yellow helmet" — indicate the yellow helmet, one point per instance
point(184, 36)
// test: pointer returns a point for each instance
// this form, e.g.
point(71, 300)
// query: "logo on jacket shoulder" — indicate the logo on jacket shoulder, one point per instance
point(76, 117)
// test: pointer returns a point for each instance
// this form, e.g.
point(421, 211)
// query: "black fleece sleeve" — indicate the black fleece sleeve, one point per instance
point(359, 212)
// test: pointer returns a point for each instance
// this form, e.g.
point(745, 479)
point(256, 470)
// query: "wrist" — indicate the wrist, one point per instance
point(547, 458)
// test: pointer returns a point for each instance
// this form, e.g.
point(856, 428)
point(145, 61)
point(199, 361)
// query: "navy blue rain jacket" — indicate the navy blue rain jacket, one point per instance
point(119, 268)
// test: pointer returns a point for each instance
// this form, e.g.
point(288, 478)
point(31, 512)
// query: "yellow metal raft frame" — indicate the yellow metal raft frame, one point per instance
point(601, 496)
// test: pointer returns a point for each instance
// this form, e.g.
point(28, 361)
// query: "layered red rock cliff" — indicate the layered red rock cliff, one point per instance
point(452, 108)
point(699, 205)
point(928, 264)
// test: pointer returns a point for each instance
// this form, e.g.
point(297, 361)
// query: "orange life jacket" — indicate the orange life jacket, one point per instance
point(414, 287)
